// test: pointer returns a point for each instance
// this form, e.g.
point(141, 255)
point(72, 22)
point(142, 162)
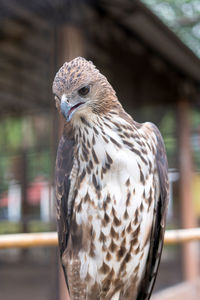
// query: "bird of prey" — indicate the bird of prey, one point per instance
point(111, 190)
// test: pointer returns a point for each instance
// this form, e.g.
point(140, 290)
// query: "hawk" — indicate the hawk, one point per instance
point(111, 190)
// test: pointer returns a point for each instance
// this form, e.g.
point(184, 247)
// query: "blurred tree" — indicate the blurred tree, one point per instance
point(183, 17)
point(30, 134)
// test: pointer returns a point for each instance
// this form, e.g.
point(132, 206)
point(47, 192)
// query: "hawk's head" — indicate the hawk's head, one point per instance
point(80, 89)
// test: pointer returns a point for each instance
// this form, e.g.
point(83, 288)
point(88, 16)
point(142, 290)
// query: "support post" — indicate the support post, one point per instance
point(70, 43)
point(23, 181)
point(190, 250)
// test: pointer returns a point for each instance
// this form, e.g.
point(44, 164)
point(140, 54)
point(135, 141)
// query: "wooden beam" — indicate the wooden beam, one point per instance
point(43, 239)
point(190, 250)
point(15, 31)
point(41, 43)
point(30, 87)
point(14, 50)
point(182, 236)
point(28, 240)
point(25, 93)
point(9, 100)
point(33, 74)
point(21, 12)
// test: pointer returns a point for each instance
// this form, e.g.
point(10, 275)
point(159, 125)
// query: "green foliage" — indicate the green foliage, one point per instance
point(183, 17)
point(39, 226)
point(7, 227)
point(10, 227)
point(195, 140)
point(195, 119)
point(167, 127)
point(4, 167)
point(10, 134)
point(39, 164)
point(29, 135)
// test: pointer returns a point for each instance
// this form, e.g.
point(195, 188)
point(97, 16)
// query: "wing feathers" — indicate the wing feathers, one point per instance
point(64, 164)
point(157, 235)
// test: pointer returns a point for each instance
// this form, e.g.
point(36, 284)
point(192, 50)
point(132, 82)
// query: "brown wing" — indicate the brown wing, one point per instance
point(64, 164)
point(158, 229)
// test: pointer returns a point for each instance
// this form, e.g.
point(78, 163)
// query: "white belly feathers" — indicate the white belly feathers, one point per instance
point(112, 199)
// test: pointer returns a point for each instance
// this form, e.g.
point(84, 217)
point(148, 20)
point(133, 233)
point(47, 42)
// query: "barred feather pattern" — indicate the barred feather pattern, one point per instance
point(113, 192)
point(111, 189)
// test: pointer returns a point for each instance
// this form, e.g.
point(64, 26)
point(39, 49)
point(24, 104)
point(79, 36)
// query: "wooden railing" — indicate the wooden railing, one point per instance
point(28, 240)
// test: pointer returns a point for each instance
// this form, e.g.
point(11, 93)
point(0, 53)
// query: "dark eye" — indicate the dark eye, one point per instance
point(84, 90)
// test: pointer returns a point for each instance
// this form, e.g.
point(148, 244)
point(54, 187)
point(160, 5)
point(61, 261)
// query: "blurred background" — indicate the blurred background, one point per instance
point(150, 52)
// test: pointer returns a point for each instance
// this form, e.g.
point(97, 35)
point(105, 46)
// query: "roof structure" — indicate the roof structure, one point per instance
point(28, 44)
point(157, 35)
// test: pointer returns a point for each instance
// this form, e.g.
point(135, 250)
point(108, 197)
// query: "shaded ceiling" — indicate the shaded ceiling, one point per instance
point(28, 46)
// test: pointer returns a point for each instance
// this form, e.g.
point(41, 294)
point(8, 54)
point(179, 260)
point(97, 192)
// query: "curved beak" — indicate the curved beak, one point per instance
point(68, 109)
point(65, 108)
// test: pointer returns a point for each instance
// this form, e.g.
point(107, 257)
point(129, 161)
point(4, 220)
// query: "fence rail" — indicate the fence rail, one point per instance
point(28, 240)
